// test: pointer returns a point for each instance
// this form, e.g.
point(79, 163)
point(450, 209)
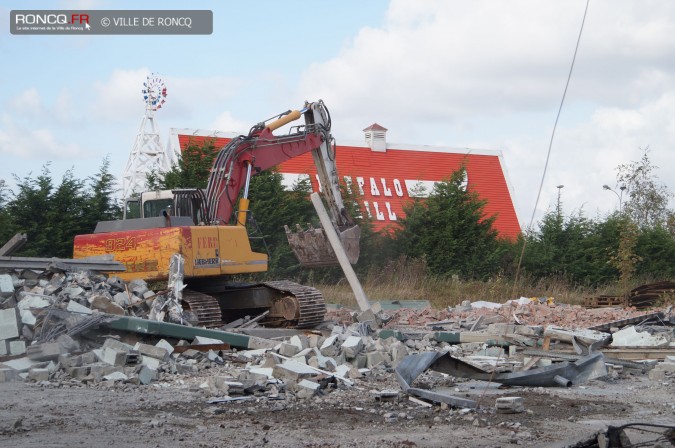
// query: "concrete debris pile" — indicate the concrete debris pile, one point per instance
point(79, 329)
point(24, 294)
point(525, 311)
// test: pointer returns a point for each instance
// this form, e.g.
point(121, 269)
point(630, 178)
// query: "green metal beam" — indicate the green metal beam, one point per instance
point(165, 329)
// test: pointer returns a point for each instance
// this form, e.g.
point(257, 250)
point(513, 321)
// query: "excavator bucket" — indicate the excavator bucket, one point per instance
point(312, 248)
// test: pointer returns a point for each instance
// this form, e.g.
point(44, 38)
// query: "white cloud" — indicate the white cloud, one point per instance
point(33, 143)
point(491, 74)
point(120, 96)
point(225, 122)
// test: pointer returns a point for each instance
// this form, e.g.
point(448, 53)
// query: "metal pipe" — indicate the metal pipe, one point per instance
point(244, 202)
point(564, 382)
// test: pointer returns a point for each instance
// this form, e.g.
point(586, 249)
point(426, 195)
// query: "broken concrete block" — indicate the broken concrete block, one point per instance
point(300, 341)
point(38, 374)
point(330, 346)
point(122, 299)
point(501, 329)
point(48, 351)
point(352, 346)
point(27, 318)
point(138, 287)
point(7, 375)
point(375, 358)
point(33, 301)
point(314, 340)
point(114, 357)
point(152, 351)
point(657, 375)
point(587, 337)
point(165, 345)
point(9, 327)
point(306, 389)
point(663, 366)
point(17, 347)
point(369, 317)
point(150, 362)
point(68, 344)
point(342, 370)
point(266, 371)
point(6, 285)
point(102, 303)
point(510, 405)
point(116, 283)
point(331, 365)
point(75, 307)
point(202, 340)
point(3, 347)
point(529, 330)
point(147, 375)
point(630, 337)
point(398, 352)
point(114, 343)
point(73, 291)
point(292, 371)
point(115, 376)
point(20, 364)
point(306, 353)
point(288, 350)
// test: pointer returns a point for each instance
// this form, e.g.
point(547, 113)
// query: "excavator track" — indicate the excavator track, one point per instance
point(311, 306)
point(292, 305)
point(204, 307)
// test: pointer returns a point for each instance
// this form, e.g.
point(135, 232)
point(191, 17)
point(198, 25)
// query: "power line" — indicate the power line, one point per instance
point(550, 145)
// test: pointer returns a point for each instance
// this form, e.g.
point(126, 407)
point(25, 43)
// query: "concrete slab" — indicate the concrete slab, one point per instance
point(152, 351)
point(6, 285)
point(9, 327)
point(27, 318)
point(510, 405)
point(49, 351)
point(37, 375)
point(114, 357)
point(292, 371)
point(17, 347)
point(165, 345)
point(352, 346)
point(33, 301)
point(75, 307)
point(7, 375)
point(203, 340)
point(20, 364)
point(152, 363)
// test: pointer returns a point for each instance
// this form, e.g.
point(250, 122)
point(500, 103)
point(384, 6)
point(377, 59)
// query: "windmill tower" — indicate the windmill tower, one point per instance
point(148, 153)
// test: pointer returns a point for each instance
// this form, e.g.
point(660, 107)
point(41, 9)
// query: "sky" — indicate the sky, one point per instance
point(484, 74)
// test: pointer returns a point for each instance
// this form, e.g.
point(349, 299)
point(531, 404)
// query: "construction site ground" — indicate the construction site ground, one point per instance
point(71, 414)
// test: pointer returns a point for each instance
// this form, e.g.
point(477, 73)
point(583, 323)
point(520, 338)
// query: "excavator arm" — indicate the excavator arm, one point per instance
point(261, 150)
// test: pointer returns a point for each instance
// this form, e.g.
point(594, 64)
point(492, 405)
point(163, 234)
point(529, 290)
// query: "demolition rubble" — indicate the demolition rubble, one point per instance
point(63, 329)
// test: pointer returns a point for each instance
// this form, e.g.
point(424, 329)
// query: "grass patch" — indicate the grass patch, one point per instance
point(406, 279)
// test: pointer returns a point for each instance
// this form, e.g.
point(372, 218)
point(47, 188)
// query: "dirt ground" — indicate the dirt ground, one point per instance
point(175, 413)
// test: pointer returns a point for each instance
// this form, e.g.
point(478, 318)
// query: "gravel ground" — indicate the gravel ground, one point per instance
point(175, 412)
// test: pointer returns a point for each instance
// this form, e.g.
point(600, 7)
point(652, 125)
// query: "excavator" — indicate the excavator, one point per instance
point(207, 228)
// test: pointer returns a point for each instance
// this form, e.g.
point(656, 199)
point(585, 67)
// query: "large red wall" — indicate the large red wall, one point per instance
point(389, 170)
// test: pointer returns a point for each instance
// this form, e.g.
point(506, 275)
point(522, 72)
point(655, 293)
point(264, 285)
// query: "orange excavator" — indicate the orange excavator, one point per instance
point(207, 228)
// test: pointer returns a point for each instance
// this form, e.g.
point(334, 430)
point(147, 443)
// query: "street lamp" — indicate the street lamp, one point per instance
point(559, 187)
point(620, 196)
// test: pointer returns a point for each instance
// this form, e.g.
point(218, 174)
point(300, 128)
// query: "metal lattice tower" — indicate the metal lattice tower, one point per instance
point(148, 153)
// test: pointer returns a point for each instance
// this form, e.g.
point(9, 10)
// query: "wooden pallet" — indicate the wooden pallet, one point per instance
point(604, 301)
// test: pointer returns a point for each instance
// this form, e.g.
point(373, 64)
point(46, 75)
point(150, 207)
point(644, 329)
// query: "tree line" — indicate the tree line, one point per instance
point(448, 231)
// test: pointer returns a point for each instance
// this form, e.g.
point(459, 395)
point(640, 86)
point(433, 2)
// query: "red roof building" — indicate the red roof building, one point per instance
point(384, 176)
